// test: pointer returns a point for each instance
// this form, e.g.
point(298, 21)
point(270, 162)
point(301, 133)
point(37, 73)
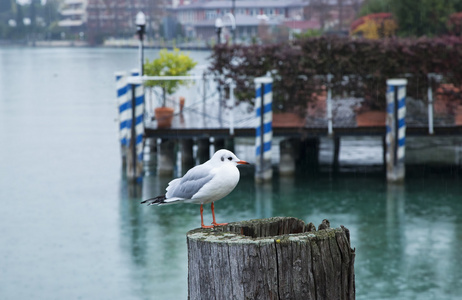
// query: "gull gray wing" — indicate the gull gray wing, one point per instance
point(187, 186)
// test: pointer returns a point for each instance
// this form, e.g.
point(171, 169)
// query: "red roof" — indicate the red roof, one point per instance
point(377, 16)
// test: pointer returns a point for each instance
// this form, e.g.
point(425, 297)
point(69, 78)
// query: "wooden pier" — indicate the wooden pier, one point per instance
point(298, 140)
point(201, 121)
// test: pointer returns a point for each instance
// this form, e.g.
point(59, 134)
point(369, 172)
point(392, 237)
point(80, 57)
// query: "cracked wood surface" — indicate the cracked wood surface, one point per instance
point(275, 258)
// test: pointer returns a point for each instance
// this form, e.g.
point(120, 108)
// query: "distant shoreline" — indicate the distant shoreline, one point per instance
point(112, 43)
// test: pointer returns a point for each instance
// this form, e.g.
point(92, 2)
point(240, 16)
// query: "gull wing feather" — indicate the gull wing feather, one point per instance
point(188, 185)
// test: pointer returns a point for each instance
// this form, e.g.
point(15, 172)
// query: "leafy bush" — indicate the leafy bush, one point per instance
point(359, 67)
point(169, 63)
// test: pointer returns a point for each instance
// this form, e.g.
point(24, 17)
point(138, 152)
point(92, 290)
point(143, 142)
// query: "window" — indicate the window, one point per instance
point(210, 14)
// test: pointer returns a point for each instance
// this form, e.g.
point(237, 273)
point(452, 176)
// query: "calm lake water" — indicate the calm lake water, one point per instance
point(71, 229)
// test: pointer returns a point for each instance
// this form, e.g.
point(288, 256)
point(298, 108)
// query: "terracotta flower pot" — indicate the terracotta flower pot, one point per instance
point(164, 116)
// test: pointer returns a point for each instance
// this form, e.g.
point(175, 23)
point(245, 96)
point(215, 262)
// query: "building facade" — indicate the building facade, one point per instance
point(110, 18)
point(198, 17)
point(100, 19)
point(74, 14)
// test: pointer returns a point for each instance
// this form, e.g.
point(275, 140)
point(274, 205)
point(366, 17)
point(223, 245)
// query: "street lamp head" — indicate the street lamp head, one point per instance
point(218, 23)
point(218, 27)
point(140, 19)
point(140, 22)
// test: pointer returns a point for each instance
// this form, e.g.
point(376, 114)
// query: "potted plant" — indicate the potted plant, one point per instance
point(169, 63)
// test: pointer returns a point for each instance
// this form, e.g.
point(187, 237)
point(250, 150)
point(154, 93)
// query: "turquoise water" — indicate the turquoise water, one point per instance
point(72, 229)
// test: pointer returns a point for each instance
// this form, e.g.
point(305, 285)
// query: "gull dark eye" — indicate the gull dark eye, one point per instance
point(222, 158)
point(230, 158)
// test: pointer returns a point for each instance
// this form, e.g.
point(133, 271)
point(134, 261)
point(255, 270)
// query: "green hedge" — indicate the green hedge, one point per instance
point(359, 67)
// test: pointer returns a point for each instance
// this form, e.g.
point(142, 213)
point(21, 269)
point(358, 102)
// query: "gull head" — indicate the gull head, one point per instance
point(224, 156)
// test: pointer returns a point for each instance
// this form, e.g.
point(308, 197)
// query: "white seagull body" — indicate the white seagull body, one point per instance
point(205, 183)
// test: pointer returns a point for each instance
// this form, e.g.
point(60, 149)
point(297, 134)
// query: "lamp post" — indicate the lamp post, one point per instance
point(233, 7)
point(218, 28)
point(140, 23)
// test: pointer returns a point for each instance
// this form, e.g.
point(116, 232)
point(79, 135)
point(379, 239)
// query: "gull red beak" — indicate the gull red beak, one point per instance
point(242, 162)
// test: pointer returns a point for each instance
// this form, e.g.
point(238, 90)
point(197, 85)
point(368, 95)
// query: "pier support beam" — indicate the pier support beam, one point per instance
point(309, 154)
point(384, 154)
point(335, 162)
point(275, 258)
point(218, 144)
point(150, 153)
point(229, 144)
point(286, 158)
point(203, 150)
point(396, 129)
point(187, 156)
point(166, 158)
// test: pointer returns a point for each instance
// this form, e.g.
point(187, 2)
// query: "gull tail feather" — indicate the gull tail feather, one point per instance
point(155, 201)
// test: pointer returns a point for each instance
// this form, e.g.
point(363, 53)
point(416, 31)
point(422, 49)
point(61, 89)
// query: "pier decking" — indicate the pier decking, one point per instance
point(203, 122)
point(284, 131)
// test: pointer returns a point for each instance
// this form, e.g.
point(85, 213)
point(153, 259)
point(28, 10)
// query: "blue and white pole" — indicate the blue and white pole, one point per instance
point(396, 129)
point(136, 128)
point(430, 103)
point(264, 129)
point(123, 104)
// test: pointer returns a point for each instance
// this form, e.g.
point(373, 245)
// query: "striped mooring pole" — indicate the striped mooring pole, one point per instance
point(136, 128)
point(123, 105)
point(264, 129)
point(396, 129)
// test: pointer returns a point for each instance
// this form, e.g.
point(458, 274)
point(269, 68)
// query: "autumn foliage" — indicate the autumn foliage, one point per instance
point(374, 26)
point(360, 67)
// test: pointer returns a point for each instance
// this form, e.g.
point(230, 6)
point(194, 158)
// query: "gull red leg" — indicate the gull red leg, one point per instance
point(202, 219)
point(214, 221)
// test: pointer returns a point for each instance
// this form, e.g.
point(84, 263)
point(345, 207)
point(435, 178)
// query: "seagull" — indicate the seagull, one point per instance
point(203, 184)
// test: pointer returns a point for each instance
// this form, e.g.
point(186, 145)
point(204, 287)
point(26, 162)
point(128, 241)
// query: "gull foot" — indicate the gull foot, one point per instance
point(205, 226)
point(219, 224)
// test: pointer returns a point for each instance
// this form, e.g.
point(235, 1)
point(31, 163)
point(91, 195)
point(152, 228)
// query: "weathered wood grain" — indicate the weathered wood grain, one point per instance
point(275, 258)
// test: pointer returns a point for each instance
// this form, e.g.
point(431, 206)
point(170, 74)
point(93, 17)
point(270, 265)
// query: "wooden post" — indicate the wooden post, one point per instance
point(384, 154)
point(187, 157)
point(336, 162)
point(123, 102)
point(430, 77)
point(309, 154)
point(149, 153)
point(396, 129)
point(136, 133)
point(166, 158)
point(275, 258)
point(203, 150)
point(218, 144)
point(229, 144)
point(264, 129)
point(287, 158)
point(330, 120)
